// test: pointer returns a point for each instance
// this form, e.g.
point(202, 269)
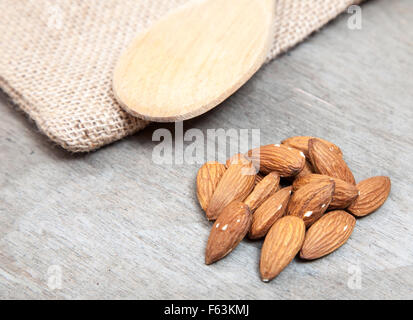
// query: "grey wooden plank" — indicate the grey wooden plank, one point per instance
point(120, 226)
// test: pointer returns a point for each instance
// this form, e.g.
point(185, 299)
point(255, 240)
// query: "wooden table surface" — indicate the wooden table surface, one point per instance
point(113, 224)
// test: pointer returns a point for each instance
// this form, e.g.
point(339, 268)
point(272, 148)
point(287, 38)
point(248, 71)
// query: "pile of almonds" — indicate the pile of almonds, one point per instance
point(299, 195)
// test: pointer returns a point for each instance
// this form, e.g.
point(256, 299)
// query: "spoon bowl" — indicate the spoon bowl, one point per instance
point(193, 59)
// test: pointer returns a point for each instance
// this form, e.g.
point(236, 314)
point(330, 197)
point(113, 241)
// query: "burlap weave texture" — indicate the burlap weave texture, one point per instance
point(57, 58)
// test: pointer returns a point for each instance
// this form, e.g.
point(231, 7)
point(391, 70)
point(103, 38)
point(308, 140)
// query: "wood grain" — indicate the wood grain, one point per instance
point(194, 58)
point(120, 226)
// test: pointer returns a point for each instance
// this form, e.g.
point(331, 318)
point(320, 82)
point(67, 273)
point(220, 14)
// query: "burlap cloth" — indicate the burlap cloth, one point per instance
point(57, 57)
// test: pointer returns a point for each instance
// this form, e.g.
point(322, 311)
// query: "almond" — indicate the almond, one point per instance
point(327, 234)
point(327, 161)
point(270, 211)
point(301, 143)
point(207, 180)
point(238, 158)
point(228, 231)
point(284, 160)
point(308, 169)
point(373, 192)
point(263, 190)
point(259, 177)
point(236, 183)
point(281, 245)
point(311, 201)
point(344, 193)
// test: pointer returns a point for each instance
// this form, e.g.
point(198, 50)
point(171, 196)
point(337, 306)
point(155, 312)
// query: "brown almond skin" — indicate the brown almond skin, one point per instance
point(344, 194)
point(236, 183)
point(238, 158)
point(287, 162)
point(307, 170)
point(327, 234)
point(326, 161)
point(228, 231)
point(311, 201)
point(373, 193)
point(301, 143)
point(269, 212)
point(267, 187)
point(281, 245)
point(259, 177)
point(207, 180)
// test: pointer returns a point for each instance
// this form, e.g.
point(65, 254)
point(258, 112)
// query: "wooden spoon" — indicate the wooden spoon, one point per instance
point(194, 58)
